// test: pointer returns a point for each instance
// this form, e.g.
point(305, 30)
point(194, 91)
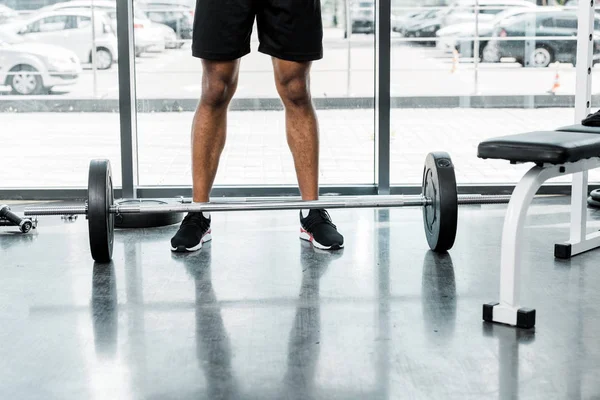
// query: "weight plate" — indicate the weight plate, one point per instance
point(595, 194)
point(593, 202)
point(146, 220)
point(101, 221)
point(440, 218)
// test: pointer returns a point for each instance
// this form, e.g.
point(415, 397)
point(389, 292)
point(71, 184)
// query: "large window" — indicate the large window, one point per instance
point(169, 82)
point(459, 75)
point(522, 79)
point(55, 116)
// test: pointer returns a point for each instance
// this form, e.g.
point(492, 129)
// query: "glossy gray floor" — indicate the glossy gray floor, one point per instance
point(258, 314)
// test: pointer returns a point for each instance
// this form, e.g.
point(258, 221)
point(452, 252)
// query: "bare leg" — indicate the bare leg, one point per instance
point(292, 80)
point(209, 129)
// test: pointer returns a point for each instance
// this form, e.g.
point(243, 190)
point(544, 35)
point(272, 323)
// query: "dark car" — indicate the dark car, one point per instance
point(547, 29)
point(426, 29)
point(362, 14)
point(178, 17)
point(426, 26)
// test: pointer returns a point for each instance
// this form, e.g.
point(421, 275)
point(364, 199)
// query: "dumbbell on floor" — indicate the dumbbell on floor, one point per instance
point(8, 218)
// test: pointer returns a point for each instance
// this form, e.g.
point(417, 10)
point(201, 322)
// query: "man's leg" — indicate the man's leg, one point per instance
point(292, 79)
point(209, 130)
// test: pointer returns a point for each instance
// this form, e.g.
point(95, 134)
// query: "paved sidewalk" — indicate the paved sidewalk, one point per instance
point(54, 149)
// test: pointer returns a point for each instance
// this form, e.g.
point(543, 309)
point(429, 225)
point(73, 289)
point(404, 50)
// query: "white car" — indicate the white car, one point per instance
point(7, 14)
point(464, 10)
point(449, 36)
point(148, 36)
point(34, 68)
point(72, 29)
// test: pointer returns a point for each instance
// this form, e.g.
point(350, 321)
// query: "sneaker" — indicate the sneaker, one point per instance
point(194, 230)
point(318, 229)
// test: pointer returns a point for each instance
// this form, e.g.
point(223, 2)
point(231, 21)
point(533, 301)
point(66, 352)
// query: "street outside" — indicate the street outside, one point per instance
point(347, 70)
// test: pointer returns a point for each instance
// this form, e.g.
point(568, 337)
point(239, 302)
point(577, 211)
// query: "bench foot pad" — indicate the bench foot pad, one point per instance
point(563, 251)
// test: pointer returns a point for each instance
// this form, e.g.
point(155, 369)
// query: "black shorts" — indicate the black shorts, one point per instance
point(287, 29)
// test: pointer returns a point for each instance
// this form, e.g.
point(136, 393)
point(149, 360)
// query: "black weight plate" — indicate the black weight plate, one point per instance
point(441, 217)
point(101, 221)
point(595, 194)
point(146, 220)
point(593, 202)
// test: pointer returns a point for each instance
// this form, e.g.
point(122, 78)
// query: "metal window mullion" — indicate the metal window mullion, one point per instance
point(583, 98)
point(530, 43)
point(127, 99)
point(382, 95)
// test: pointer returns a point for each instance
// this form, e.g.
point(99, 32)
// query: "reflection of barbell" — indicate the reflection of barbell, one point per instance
point(9, 218)
point(439, 200)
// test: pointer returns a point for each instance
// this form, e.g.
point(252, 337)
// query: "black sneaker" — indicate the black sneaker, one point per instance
point(194, 230)
point(318, 229)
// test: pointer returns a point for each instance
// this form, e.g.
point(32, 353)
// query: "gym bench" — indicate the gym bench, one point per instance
point(568, 150)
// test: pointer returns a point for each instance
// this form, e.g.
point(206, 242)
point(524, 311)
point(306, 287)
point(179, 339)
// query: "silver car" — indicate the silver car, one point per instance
point(35, 68)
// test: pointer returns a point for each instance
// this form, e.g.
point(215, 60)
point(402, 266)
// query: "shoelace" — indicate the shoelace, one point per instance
point(197, 220)
point(320, 217)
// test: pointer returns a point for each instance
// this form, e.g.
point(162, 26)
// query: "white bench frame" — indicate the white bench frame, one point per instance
point(508, 310)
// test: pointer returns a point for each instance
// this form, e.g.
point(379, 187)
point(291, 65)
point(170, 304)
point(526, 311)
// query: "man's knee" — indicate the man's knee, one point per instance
point(218, 86)
point(217, 92)
point(295, 92)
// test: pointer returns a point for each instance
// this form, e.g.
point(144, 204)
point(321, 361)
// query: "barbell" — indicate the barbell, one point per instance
point(439, 200)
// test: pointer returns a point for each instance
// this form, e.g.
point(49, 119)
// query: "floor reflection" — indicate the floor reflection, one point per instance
point(104, 309)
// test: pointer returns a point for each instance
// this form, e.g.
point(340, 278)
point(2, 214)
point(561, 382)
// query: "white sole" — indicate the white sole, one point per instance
point(309, 238)
point(205, 238)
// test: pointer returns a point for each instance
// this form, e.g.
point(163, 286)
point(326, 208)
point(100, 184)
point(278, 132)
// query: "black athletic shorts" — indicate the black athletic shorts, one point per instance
point(287, 29)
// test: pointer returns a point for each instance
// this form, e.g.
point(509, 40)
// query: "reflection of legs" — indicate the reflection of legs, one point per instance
point(212, 342)
point(305, 336)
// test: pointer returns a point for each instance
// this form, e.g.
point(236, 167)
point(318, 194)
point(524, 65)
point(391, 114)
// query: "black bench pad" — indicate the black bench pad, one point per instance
point(551, 147)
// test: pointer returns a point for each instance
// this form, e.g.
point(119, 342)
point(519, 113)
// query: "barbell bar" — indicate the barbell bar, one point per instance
point(439, 200)
point(251, 204)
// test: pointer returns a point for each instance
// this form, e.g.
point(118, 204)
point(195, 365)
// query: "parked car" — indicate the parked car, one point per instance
point(428, 26)
point(399, 22)
point(35, 68)
point(72, 29)
point(7, 14)
point(149, 37)
point(177, 17)
point(362, 15)
point(404, 26)
point(464, 10)
point(548, 49)
point(461, 36)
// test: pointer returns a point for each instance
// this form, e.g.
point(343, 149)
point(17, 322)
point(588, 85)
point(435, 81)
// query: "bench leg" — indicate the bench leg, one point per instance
point(579, 242)
point(508, 310)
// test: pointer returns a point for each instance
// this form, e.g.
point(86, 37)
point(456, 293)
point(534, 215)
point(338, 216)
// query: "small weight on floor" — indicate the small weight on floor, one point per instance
point(100, 220)
point(146, 220)
point(595, 194)
point(440, 218)
point(593, 202)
